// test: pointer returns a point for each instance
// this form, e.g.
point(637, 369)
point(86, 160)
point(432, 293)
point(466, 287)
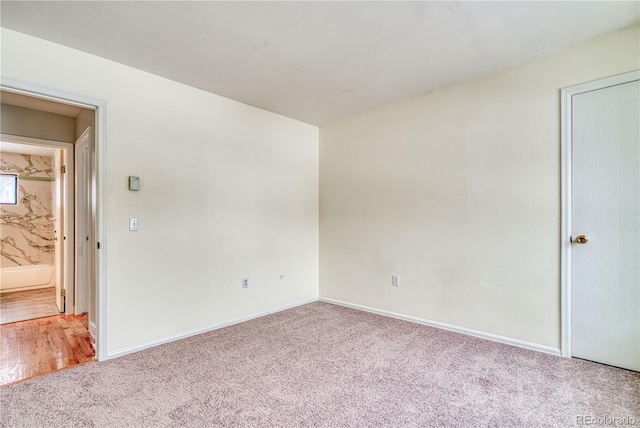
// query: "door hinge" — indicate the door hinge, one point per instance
point(63, 292)
point(63, 169)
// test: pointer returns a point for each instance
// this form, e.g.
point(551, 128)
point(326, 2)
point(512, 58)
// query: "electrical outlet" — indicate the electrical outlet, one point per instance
point(395, 280)
point(245, 282)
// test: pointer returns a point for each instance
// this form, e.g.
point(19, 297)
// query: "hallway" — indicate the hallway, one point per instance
point(37, 347)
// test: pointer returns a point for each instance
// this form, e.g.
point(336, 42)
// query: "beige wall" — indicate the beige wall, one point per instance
point(458, 192)
point(85, 119)
point(36, 124)
point(227, 191)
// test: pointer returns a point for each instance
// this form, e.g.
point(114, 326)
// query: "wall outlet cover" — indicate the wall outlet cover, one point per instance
point(134, 183)
point(134, 223)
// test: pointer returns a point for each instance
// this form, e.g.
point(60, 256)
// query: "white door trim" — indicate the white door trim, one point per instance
point(100, 107)
point(566, 171)
point(83, 175)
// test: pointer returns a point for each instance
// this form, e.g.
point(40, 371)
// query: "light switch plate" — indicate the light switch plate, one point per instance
point(134, 223)
point(134, 183)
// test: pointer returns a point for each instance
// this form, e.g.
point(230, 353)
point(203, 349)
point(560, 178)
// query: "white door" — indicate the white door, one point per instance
point(58, 229)
point(83, 223)
point(605, 206)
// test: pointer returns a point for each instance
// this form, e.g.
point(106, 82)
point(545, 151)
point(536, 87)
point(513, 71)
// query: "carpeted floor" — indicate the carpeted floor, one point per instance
point(328, 366)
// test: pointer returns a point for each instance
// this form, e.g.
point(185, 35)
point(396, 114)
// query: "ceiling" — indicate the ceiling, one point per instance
point(26, 149)
point(318, 62)
point(39, 104)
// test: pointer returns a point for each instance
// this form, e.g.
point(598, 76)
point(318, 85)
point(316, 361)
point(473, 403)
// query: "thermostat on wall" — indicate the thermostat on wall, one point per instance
point(134, 183)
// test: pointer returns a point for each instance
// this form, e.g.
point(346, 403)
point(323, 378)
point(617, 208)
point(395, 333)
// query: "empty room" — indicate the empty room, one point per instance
point(332, 214)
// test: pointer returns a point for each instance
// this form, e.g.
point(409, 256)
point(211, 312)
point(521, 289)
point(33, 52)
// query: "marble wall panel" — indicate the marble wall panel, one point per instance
point(26, 229)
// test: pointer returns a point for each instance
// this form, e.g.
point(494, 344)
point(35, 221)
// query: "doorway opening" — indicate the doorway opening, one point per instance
point(33, 214)
point(49, 235)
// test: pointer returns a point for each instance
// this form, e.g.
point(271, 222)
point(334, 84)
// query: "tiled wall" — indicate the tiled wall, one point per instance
point(27, 228)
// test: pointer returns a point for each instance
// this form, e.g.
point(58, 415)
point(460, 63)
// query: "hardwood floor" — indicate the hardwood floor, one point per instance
point(44, 345)
point(26, 305)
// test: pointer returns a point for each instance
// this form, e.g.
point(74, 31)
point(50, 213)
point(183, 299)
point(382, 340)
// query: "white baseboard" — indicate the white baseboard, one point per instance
point(450, 327)
point(233, 321)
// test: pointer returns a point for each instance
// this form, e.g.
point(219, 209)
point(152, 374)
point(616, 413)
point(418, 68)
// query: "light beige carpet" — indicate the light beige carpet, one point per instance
point(326, 366)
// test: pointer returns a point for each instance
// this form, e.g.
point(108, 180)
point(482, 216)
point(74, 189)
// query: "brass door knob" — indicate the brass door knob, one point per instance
point(582, 239)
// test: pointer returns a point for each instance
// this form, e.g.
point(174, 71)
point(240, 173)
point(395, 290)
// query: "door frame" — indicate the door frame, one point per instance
point(60, 226)
point(566, 145)
point(68, 230)
point(100, 142)
point(82, 174)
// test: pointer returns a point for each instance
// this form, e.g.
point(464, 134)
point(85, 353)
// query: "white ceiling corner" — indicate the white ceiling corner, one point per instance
point(318, 62)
